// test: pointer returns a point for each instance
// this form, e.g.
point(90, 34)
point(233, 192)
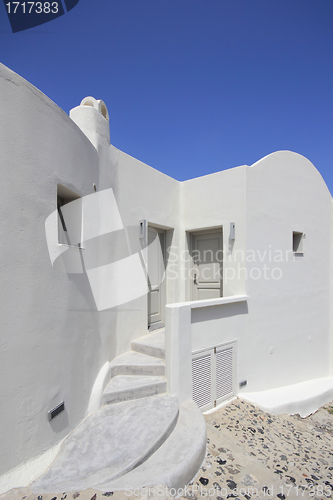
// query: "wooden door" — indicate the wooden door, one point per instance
point(207, 257)
point(156, 274)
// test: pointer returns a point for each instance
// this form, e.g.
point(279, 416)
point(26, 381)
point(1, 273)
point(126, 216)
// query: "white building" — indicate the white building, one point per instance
point(246, 295)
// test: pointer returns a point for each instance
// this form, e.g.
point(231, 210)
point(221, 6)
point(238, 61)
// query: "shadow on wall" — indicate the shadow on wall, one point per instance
point(60, 423)
point(219, 312)
point(83, 287)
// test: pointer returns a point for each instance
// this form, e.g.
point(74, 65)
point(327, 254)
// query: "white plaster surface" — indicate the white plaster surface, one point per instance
point(110, 443)
point(54, 349)
point(303, 398)
point(53, 343)
point(331, 295)
point(29, 471)
point(187, 331)
point(95, 401)
point(178, 362)
point(215, 200)
point(288, 317)
point(110, 283)
point(283, 331)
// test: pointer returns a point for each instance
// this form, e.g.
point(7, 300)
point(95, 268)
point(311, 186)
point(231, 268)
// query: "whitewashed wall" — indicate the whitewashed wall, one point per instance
point(142, 193)
point(283, 330)
point(54, 343)
point(289, 318)
point(213, 201)
point(331, 296)
point(51, 343)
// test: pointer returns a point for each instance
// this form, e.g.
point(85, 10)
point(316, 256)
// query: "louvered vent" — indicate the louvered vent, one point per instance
point(201, 377)
point(213, 375)
point(224, 372)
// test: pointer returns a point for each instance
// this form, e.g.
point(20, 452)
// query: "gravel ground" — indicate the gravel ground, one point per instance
point(250, 454)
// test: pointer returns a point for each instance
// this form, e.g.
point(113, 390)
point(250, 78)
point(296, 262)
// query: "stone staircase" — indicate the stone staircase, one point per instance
point(138, 373)
point(140, 437)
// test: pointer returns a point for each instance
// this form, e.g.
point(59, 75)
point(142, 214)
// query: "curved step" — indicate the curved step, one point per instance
point(109, 443)
point(176, 462)
point(128, 387)
point(152, 344)
point(135, 363)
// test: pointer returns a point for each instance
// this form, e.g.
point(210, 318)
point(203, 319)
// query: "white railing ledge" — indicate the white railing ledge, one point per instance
point(70, 246)
point(195, 304)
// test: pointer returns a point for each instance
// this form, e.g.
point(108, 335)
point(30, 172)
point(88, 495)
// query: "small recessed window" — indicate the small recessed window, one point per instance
point(298, 243)
point(69, 222)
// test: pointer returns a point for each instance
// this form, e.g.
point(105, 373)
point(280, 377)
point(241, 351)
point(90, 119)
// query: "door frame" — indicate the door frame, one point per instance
point(192, 235)
point(159, 324)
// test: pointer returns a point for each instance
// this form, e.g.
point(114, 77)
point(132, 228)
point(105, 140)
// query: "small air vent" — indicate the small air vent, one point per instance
point(55, 411)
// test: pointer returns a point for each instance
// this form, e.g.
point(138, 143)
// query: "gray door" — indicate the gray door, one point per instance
point(156, 274)
point(207, 257)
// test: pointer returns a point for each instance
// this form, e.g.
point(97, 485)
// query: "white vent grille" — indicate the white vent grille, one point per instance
point(201, 377)
point(224, 372)
point(213, 375)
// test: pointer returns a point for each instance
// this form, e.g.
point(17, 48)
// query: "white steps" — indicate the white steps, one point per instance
point(138, 373)
point(152, 344)
point(140, 437)
point(135, 363)
point(127, 387)
point(109, 443)
point(176, 462)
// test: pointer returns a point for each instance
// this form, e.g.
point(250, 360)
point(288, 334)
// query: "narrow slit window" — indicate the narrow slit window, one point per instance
point(69, 220)
point(298, 243)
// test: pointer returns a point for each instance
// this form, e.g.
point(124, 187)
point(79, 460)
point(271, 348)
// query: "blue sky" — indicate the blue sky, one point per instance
point(192, 86)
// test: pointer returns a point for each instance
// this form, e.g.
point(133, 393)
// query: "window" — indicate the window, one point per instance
point(298, 243)
point(69, 219)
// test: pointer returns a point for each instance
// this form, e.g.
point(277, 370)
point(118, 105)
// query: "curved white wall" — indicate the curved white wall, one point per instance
point(53, 341)
point(52, 346)
point(289, 318)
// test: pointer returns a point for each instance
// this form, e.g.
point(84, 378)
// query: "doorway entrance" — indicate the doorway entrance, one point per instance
point(207, 258)
point(156, 275)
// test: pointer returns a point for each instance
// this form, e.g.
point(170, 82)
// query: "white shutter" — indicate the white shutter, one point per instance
point(202, 379)
point(213, 375)
point(224, 373)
